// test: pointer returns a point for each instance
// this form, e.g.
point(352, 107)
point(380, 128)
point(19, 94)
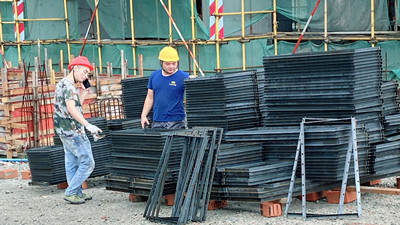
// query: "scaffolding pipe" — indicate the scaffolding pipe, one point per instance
point(192, 18)
point(246, 13)
point(67, 30)
point(2, 45)
point(325, 26)
point(180, 35)
point(39, 19)
point(372, 23)
point(133, 38)
point(169, 22)
point(216, 35)
point(243, 36)
point(275, 27)
point(98, 38)
point(305, 28)
point(16, 24)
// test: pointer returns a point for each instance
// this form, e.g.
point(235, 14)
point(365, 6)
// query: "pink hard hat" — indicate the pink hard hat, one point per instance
point(82, 61)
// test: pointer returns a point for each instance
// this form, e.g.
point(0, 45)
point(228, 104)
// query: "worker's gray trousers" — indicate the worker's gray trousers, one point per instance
point(169, 125)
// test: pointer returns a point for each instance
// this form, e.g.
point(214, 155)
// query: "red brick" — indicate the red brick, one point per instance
point(211, 205)
point(62, 185)
point(84, 185)
point(221, 204)
point(312, 197)
point(271, 209)
point(26, 174)
point(398, 182)
point(372, 182)
point(214, 204)
point(8, 173)
point(333, 197)
point(137, 198)
point(169, 199)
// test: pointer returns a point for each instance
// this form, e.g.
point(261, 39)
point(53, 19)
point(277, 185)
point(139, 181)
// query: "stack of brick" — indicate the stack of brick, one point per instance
point(10, 143)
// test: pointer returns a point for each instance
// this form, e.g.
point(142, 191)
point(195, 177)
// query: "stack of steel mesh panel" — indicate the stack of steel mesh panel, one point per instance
point(134, 92)
point(386, 158)
point(390, 109)
point(326, 147)
point(266, 188)
point(235, 154)
point(47, 164)
point(255, 173)
point(135, 157)
point(124, 124)
point(337, 84)
point(230, 102)
point(239, 153)
point(389, 98)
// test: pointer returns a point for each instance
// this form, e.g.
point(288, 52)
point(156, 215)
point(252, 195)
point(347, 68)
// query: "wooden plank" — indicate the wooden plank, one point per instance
point(140, 64)
point(9, 153)
point(20, 98)
point(104, 81)
point(4, 81)
point(115, 87)
point(18, 105)
point(376, 190)
point(18, 126)
point(21, 91)
point(5, 121)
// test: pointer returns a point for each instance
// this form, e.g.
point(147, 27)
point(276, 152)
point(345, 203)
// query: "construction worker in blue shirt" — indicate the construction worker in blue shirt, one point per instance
point(165, 93)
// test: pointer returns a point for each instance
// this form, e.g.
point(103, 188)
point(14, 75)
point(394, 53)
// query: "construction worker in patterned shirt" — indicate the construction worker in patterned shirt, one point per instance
point(165, 93)
point(70, 125)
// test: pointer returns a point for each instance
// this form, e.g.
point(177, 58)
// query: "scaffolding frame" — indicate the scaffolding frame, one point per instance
point(371, 36)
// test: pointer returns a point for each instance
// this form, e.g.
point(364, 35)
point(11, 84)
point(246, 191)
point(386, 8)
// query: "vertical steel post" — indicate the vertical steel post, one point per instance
point(356, 168)
point(303, 173)
point(133, 44)
point(243, 36)
point(325, 25)
point(372, 23)
point(67, 30)
point(293, 178)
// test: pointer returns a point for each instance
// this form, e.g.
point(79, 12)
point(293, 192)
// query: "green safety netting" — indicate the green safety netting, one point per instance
point(151, 22)
point(342, 15)
point(390, 53)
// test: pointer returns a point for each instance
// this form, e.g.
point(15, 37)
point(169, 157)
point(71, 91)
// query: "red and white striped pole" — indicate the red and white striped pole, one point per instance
point(211, 11)
point(20, 15)
point(305, 28)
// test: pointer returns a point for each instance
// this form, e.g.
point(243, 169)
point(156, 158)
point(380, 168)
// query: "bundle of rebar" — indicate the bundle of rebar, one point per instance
point(335, 84)
point(136, 153)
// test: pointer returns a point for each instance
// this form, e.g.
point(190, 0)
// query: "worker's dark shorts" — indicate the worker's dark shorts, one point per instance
point(169, 125)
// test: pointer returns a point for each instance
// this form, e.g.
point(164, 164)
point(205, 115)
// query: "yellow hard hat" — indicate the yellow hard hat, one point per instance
point(168, 54)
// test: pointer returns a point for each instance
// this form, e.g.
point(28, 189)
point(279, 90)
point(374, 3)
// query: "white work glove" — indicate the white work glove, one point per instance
point(93, 129)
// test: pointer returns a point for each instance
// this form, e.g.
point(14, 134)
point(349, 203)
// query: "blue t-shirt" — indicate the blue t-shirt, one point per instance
point(168, 96)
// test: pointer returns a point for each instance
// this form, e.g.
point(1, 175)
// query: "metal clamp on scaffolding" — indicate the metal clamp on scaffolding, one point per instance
point(351, 150)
